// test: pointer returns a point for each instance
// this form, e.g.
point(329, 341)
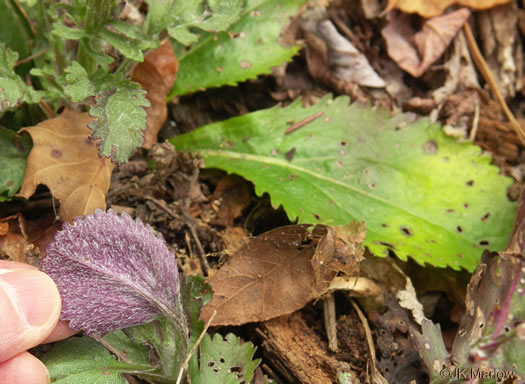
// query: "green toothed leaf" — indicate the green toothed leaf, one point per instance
point(13, 153)
point(224, 361)
point(76, 82)
point(250, 48)
point(84, 360)
point(121, 120)
point(13, 90)
point(422, 194)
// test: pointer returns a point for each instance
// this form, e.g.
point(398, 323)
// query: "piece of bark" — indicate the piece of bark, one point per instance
point(299, 354)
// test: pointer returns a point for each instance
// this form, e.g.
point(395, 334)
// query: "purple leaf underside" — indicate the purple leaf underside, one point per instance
point(112, 272)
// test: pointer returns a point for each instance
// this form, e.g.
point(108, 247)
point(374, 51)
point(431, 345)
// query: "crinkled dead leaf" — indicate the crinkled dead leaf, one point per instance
point(414, 51)
point(67, 162)
point(25, 241)
point(279, 271)
point(346, 61)
point(331, 254)
point(13, 241)
point(432, 8)
point(499, 34)
point(156, 75)
point(333, 60)
point(233, 197)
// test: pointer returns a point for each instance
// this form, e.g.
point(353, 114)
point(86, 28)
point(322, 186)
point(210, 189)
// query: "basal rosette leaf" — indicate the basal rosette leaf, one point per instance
point(13, 90)
point(13, 154)
point(224, 360)
point(421, 193)
point(249, 48)
point(121, 120)
point(76, 82)
point(84, 360)
point(181, 16)
point(113, 272)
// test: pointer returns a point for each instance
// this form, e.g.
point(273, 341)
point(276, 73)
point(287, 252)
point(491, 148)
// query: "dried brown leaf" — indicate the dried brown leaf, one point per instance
point(233, 193)
point(67, 162)
point(276, 273)
point(156, 75)
point(12, 240)
point(347, 62)
point(14, 243)
point(331, 254)
point(415, 51)
point(432, 8)
point(501, 47)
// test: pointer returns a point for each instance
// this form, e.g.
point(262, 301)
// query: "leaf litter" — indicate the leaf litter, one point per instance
point(291, 340)
point(249, 286)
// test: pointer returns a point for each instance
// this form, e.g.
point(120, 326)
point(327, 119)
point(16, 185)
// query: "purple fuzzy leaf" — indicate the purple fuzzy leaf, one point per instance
point(113, 272)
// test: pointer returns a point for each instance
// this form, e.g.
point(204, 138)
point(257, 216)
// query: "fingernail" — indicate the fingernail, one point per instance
point(33, 294)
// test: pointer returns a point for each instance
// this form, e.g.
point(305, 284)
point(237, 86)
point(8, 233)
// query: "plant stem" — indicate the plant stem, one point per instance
point(97, 13)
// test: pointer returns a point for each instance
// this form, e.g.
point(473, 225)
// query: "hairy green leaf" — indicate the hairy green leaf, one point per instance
point(224, 14)
point(13, 90)
point(84, 360)
point(13, 153)
point(224, 361)
point(186, 14)
point(422, 194)
point(161, 13)
point(159, 338)
point(129, 30)
point(101, 59)
point(183, 35)
point(61, 30)
point(121, 120)
point(165, 338)
point(76, 82)
point(130, 48)
point(250, 48)
point(181, 16)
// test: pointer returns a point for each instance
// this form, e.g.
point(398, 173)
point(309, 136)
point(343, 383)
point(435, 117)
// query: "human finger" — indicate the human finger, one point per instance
point(30, 305)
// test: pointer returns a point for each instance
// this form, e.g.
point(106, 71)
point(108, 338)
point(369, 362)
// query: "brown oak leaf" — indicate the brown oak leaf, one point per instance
point(276, 273)
point(67, 162)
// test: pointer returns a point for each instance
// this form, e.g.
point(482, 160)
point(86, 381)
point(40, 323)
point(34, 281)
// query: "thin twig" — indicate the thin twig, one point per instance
point(487, 75)
point(191, 226)
point(50, 113)
point(377, 377)
point(330, 323)
point(187, 360)
point(475, 122)
point(302, 123)
point(31, 57)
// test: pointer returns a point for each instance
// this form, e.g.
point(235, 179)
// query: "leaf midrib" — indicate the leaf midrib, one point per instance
point(282, 164)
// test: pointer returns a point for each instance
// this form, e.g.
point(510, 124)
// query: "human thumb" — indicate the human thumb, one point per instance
point(30, 305)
